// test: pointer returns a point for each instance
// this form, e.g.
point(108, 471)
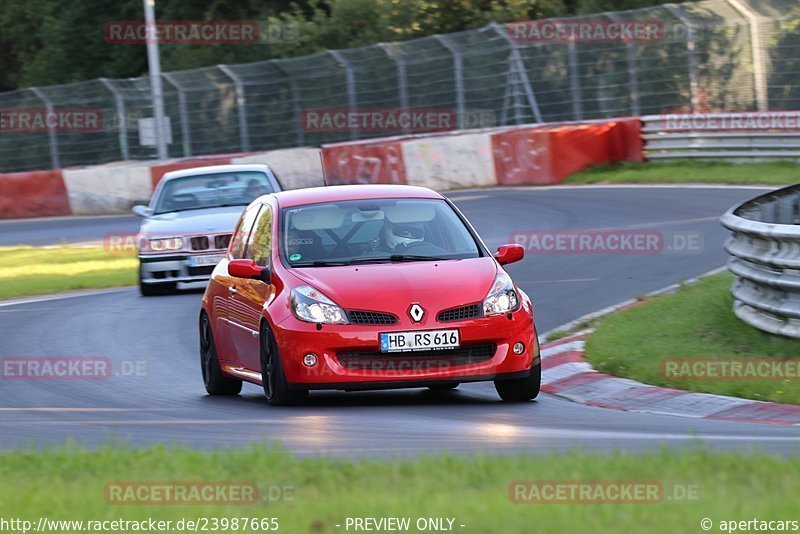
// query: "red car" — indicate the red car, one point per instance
point(364, 287)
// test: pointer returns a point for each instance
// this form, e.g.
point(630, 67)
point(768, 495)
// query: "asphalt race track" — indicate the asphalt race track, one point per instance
point(165, 400)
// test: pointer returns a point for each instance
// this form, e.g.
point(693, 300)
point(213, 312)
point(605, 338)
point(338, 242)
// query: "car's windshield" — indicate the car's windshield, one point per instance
point(374, 231)
point(212, 190)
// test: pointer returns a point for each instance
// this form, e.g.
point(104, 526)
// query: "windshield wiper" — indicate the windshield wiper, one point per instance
point(412, 257)
point(320, 263)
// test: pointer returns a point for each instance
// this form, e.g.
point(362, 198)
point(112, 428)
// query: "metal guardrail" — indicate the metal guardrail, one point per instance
point(765, 250)
point(663, 142)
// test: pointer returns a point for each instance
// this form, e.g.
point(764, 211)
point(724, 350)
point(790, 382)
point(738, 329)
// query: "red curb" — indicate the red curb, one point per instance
point(761, 412)
point(549, 362)
point(564, 340)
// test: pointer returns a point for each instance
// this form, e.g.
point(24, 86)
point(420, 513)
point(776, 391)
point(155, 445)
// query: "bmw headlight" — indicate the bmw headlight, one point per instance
point(502, 297)
point(312, 306)
point(169, 243)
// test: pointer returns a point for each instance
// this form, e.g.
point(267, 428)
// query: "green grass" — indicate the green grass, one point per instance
point(28, 271)
point(68, 483)
point(772, 173)
point(695, 322)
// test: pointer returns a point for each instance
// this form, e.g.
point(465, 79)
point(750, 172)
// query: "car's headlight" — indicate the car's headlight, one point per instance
point(312, 306)
point(169, 243)
point(502, 297)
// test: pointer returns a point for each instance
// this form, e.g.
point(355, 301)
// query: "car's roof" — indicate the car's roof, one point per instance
point(213, 169)
point(336, 193)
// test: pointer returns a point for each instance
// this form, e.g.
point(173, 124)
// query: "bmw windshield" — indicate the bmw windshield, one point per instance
point(374, 231)
point(212, 191)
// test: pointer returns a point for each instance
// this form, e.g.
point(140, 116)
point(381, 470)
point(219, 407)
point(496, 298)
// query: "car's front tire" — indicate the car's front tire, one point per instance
point(273, 377)
point(216, 383)
point(521, 389)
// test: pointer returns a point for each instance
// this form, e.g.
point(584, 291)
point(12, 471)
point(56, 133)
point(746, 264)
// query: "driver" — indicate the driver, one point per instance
point(398, 236)
point(255, 189)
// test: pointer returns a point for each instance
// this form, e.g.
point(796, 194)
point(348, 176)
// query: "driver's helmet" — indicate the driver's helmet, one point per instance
point(406, 233)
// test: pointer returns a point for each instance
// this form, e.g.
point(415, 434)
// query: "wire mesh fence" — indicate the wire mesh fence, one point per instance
point(715, 55)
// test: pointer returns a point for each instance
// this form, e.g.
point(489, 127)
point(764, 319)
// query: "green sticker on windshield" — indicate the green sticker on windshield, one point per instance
point(295, 257)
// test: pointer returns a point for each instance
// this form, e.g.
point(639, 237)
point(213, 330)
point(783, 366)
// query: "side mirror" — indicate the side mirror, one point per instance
point(509, 254)
point(142, 211)
point(248, 269)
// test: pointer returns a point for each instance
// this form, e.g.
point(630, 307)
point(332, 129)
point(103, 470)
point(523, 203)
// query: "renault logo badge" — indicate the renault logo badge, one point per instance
point(416, 312)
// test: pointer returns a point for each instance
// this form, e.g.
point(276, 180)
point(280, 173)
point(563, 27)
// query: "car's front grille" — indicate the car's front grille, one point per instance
point(416, 360)
point(204, 242)
point(369, 317)
point(222, 241)
point(199, 243)
point(470, 311)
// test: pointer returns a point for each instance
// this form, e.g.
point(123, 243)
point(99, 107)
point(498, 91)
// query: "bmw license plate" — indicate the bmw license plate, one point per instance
point(202, 261)
point(419, 340)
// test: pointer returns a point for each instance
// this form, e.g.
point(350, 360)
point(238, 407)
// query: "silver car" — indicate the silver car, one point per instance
point(190, 220)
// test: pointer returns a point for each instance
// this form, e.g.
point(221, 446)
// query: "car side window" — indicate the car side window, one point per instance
point(240, 235)
point(259, 244)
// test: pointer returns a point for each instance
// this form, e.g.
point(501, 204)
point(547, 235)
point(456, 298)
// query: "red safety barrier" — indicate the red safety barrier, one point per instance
point(364, 163)
point(33, 194)
point(158, 171)
point(548, 155)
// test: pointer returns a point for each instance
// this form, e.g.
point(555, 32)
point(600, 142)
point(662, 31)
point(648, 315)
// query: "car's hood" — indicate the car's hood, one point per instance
point(205, 221)
point(393, 287)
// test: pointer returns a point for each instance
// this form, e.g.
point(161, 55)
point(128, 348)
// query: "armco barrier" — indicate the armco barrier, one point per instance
point(765, 250)
point(33, 194)
point(737, 137)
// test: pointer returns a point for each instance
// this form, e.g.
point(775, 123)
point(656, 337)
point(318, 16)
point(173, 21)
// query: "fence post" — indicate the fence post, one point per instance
point(186, 135)
point(633, 79)
point(575, 81)
point(350, 78)
point(301, 139)
point(119, 103)
point(244, 133)
point(458, 76)
point(691, 45)
point(402, 86)
point(51, 131)
point(522, 74)
point(759, 61)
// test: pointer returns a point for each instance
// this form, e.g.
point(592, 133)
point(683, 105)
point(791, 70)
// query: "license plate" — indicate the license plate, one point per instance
point(201, 261)
point(419, 340)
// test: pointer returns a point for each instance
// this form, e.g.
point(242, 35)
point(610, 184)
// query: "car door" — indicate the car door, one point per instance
point(222, 296)
point(247, 301)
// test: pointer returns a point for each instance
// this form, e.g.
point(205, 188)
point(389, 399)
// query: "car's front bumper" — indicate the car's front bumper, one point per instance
point(377, 370)
point(160, 269)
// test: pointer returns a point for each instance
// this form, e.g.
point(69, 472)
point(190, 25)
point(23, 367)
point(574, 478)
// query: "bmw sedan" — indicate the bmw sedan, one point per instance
point(364, 287)
point(188, 225)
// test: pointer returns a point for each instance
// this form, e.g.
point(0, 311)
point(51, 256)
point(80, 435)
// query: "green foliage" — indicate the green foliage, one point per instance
point(47, 42)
